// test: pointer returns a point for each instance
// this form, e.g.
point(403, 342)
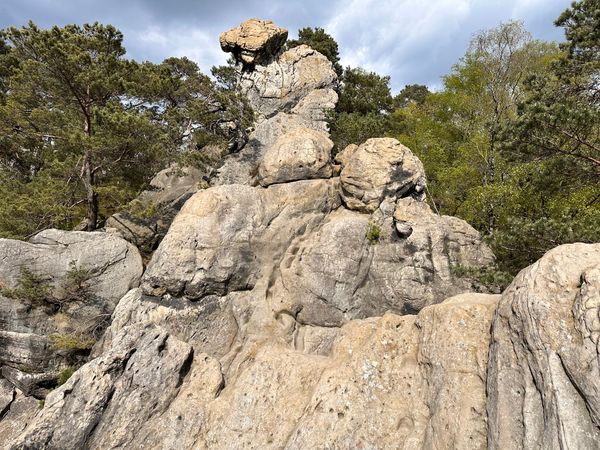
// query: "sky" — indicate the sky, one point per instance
point(413, 41)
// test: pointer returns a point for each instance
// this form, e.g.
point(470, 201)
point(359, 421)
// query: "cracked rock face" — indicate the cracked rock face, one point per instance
point(544, 370)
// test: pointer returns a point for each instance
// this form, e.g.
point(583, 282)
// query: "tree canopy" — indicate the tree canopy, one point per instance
point(82, 128)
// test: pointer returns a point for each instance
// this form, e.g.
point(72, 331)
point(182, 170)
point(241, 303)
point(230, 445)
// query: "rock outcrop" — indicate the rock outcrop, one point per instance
point(544, 371)
point(309, 302)
point(61, 284)
point(149, 216)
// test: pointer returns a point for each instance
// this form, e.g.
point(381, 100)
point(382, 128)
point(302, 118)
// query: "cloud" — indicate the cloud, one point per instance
point(410, 40)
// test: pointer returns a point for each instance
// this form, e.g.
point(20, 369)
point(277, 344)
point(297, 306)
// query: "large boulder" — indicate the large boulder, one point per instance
point(63, 283)
point(253, 41)
point(227, 238)
point(301, 154)
point(544, 366)
point(377, 169)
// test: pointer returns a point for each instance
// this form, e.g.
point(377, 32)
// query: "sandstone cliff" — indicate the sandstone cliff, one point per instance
point(303, 301)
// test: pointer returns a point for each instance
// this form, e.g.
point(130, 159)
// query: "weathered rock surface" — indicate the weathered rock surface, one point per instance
point(226, 237)
point(153, 210)
point(291, 308)
point(291, 92)
point(300, 154)
point(377, 169)
point(112, 266)
point(372, 392)
point(544, 367)
point(253, 40)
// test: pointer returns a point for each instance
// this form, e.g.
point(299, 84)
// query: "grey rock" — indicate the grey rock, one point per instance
point(152, 212)
point(225, 237)
point(293, 91)
point(7, 395)
point(281, 85)
point(544, 370)
point(109, 402)
point(326, 283)
point(16, 416)
point(378, 169)
point(209, 326)
point(114, 266)
point(35, 384)
point(300, 154)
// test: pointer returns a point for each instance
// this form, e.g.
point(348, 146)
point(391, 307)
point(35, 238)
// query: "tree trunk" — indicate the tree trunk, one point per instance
point(91, 194)
point(88, 177)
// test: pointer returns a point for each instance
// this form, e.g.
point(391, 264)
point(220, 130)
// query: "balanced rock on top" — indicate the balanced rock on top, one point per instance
point(253, 41)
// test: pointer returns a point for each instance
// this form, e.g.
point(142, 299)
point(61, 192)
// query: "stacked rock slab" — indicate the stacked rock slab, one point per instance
point(288, 308)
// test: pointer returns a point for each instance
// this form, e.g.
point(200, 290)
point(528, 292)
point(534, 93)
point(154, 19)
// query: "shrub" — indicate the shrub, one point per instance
point(71, 342)
point(31, 288)
point(373, 233)
point(489, 278)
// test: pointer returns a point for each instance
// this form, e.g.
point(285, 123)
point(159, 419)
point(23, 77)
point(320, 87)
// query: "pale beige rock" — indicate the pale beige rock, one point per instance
point(254, 40)
point(290, 81)
point(226, 237)
point(544, 369)
point(300, 154)
point(345, 155)
point(378, 169)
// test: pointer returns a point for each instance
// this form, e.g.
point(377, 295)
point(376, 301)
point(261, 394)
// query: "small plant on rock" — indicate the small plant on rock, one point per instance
point(71, 342)
point(373, 233)
point(65, 374)
point(31, 288)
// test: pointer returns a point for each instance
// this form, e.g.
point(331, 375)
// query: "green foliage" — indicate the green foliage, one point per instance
point(31, 288)
point(458, 134)
point(373, 233)
point(486, 279)
point(355, 128)
point(41, 404)
point(83, 129)
point(65, 374)
point(364, 92)
point(411, 93)
point(75, 283)
point(71, 342)
point(319, 40)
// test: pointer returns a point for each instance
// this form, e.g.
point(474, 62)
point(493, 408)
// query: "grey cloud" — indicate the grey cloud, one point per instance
point(413, 41)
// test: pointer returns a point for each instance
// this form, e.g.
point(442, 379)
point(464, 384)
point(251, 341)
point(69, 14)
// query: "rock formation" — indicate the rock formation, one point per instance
point(304, 302)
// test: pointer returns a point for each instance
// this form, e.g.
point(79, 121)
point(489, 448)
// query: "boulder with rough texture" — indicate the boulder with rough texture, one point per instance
point(300, 154)
point(300, 80)
point(411, 381)
point(337, 273)
point(253, 41)
point(226, 237)
point(378, 169)
point(85, 275)
point(544, 366)
point(151, 213)
point(291, 92)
